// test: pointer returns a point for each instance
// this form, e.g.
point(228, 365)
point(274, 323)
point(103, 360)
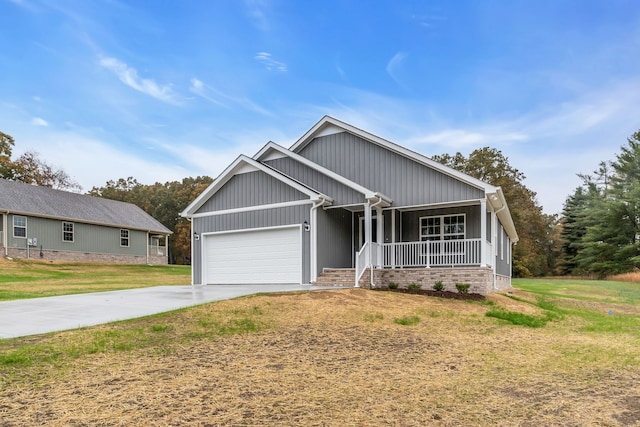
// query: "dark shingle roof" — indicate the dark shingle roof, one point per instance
point(27, 199)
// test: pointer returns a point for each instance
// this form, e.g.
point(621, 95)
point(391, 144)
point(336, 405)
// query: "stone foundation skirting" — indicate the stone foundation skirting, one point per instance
point(502, 282)
point(480, 278)
point(49, 255)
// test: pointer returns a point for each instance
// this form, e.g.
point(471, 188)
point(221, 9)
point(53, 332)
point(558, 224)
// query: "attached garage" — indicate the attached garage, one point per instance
point(264, 255)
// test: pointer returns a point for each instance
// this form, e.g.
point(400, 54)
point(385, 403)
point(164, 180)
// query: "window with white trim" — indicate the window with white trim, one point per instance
point(124, 238)
point(19, 226)
point(442, 227)
point(67, 232)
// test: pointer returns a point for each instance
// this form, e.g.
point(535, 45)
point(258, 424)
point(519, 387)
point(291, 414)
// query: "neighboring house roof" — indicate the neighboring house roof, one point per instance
point(32, 200)
point(243, 164)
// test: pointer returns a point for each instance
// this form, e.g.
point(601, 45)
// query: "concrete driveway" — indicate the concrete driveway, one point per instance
point(51, 314)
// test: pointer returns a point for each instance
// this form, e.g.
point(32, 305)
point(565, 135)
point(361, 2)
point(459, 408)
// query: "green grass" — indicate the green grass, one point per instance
point(587, 301)
point(586, 290)
point(518, 318)
point(158, 333)
point(407, 320)
point(21, 279)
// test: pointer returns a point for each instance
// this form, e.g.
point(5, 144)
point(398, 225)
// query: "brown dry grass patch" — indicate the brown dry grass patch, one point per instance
point(633, 277)
point(338, 358)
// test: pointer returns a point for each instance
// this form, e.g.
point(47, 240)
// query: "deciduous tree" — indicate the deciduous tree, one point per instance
point(31, 169)
point(162, 201)
point(531, 256)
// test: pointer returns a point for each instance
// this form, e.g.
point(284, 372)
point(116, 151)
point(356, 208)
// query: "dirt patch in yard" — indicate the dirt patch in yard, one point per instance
point(338, 358)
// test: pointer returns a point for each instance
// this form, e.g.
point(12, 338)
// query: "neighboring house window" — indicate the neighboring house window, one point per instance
point(67, 232)
point(442, 227)
point(124, 238)
point(19, 226)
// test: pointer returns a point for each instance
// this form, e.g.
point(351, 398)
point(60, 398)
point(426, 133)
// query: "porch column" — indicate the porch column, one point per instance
point(483, 233)
point(379, 234)
point(393, 237)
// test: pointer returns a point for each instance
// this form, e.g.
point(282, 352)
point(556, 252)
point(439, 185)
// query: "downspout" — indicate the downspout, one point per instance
point(192, 243)
point(313, 239)
point(5, 238)
point(376, 204)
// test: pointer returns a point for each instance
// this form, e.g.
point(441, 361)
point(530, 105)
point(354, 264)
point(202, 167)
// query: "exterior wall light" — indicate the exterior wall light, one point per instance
point(305, 226)
point(196, 236)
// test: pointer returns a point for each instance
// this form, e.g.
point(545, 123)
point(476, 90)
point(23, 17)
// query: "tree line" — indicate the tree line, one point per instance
point(598, 232)
point(600, 228)
point(164, 202)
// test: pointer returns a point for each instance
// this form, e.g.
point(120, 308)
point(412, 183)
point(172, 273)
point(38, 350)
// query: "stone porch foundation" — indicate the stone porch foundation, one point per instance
point(481, 279)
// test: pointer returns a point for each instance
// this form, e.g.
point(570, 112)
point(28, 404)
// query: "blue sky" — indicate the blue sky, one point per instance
point(162, 90)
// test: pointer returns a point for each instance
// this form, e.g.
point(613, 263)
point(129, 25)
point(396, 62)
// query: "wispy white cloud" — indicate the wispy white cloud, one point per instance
point(257, 10)
point(199, 88)
point(37, 121)
point(271, 64)
point(129, 76)
point(215, 96)
point(426, 20)
point(394, 64)
point(462, 138)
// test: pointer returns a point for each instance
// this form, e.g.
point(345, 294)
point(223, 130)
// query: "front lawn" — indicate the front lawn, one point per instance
point(21, 279)
point(350, 357)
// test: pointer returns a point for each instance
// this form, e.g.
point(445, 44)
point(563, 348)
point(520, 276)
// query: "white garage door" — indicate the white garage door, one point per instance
point(257, 256)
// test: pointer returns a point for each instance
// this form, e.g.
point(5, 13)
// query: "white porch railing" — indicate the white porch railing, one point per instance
point(157, 250)
point(431, 253)
point(362, 262)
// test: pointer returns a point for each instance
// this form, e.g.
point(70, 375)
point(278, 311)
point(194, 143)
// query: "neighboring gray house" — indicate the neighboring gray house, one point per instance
point(345, 206)
point(42, 223)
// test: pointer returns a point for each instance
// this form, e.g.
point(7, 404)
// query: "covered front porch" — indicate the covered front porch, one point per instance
point(430, 236)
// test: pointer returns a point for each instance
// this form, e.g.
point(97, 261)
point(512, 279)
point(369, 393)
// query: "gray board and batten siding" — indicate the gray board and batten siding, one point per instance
point(340, 193)
point(334, 239)
point(503, 255)
point(411, 221)
point(274, 217)
point(251, 189)
point(409, 182)
point(408, 222)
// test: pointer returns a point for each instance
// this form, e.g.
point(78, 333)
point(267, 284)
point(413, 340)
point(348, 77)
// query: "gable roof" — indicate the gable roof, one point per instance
point(329, 125)
point(271, 146)
point(31, 200)
point(243, 164)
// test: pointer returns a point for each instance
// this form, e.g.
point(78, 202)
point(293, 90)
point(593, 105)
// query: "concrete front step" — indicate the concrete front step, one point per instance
point(336, 277)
